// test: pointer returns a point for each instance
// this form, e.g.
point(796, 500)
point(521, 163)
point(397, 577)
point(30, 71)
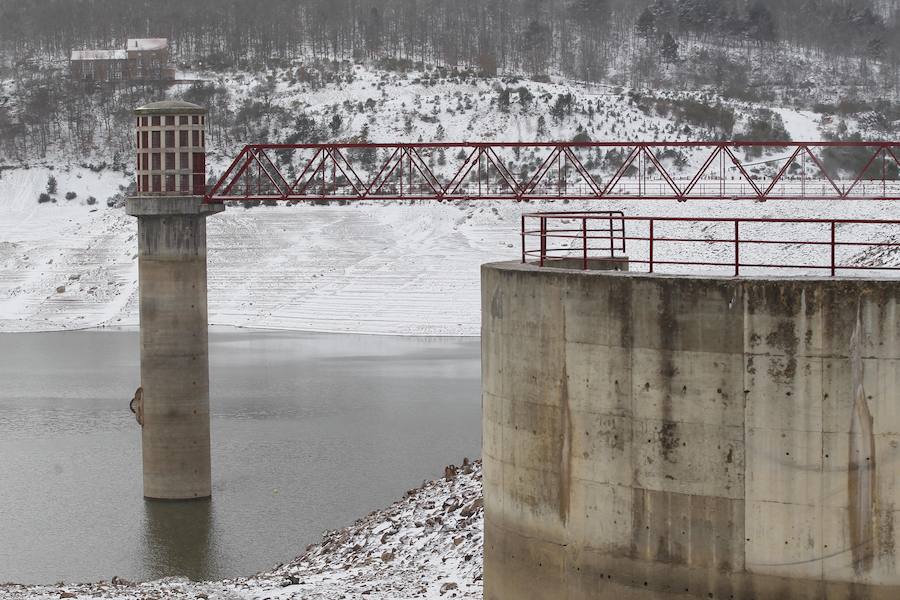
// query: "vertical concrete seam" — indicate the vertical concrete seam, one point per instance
point(805, 340)
point(565, 454)
point(745, 308)
point(819, 303)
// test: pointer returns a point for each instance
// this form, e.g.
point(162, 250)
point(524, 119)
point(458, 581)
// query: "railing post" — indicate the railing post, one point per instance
point(737, 248)
point(612, 248)
point(543, 239)
point(523, 239)
point(833, 236)
point(584, 242)
point(651, 245)
point(480, 150)
point(640, 158)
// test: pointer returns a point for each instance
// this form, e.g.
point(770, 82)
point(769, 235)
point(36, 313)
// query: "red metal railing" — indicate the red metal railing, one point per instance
point(606, 229)
point(572, 170)
point(759, 245)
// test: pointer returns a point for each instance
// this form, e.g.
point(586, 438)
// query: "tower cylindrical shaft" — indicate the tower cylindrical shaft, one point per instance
point(174, 356)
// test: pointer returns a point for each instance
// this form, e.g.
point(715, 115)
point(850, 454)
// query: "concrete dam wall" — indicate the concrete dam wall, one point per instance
point(659, 437)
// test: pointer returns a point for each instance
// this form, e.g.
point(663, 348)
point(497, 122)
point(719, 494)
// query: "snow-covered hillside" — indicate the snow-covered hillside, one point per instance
point(69, 246)
point(386, 268)
point(370, 268)
point(340, 101)
point(428, 545)
point(353, 102)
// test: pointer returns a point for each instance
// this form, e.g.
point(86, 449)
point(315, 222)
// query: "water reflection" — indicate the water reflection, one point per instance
point(309, 431)
point(178, 538)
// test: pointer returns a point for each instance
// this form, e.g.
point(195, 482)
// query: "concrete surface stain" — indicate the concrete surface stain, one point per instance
point(861, 467)
point(669, 440)
point(784, 338)
point(497, 304)
point(886, 535)
point(565, 422)
point(668, 431)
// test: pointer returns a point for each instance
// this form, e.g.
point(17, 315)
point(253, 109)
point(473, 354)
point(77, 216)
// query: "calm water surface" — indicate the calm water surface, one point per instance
point(310, 432)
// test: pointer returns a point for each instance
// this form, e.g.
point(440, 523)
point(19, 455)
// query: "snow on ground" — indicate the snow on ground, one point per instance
point(421, 106)
point(411, 269)
point(801, 125)
point(428, 545)
point(408, 269)
point(383, 106)
point(83, 251)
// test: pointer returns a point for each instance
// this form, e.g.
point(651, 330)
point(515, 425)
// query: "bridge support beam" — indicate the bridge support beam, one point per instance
point(174, 345)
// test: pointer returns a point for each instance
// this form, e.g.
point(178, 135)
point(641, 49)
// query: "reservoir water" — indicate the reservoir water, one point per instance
point(310, 432)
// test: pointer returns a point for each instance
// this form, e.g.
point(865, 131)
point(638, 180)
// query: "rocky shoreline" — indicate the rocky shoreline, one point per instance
point(427, 545)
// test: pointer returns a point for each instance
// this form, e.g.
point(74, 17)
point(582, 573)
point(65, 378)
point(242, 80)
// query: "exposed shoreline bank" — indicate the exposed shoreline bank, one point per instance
point(429, 544)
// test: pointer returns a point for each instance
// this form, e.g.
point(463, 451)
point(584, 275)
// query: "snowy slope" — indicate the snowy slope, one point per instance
point(368, 268)
point(390, 269)
point(421, 106)
point(82, 250)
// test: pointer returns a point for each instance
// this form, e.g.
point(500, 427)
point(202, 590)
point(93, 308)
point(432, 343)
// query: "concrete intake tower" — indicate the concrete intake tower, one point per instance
point(651, 436)
point(171, 215)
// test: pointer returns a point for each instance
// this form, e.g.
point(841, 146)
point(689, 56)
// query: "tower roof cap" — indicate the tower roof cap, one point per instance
point(170, 107)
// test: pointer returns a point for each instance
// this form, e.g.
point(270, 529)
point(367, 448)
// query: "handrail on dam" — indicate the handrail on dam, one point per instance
point(756, 245)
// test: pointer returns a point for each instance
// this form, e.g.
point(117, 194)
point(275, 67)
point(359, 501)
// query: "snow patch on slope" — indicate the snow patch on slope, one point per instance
point(801, 125)
point(63, 265)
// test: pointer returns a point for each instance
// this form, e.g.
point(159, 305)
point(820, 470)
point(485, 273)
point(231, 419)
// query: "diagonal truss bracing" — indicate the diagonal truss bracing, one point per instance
point(681, 171)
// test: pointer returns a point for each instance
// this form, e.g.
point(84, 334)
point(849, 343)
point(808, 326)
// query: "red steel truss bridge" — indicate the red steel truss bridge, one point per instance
point(517, 171)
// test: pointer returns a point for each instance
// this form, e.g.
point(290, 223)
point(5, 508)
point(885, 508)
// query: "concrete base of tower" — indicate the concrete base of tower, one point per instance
point(174, 345)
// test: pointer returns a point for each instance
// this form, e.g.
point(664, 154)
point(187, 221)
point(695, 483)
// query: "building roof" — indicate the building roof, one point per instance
point(99, 55)
point(147, 44)
point(170, 107)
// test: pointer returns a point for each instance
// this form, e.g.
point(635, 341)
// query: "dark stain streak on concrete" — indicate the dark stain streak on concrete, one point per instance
point(886, 535)
point(497, 304)
point(565, 423)
point(784, 338)
point(669, 441)
point(668, 432)
point(861, 471)
point(751, 369)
